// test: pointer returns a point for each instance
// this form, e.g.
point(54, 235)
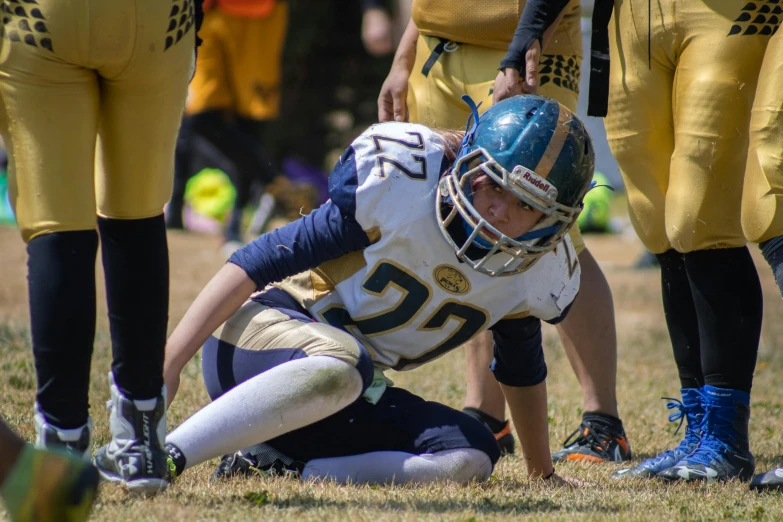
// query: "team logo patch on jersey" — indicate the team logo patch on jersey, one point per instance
point(451, 279)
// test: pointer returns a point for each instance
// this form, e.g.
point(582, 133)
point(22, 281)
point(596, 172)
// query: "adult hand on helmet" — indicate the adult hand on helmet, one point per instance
point(508, 82)
point(392, 102)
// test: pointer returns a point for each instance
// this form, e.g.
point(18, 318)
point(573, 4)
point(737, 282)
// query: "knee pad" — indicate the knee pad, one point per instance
point(466, 464)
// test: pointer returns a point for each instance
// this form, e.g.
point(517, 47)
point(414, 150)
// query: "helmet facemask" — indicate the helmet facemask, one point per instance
point(455, 189)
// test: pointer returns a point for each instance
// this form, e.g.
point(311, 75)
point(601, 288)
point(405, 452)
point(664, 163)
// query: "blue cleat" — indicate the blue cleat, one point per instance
point(690, 410)
point(723, 452)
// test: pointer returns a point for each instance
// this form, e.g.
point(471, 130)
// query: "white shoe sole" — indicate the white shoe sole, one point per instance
point(145, 486)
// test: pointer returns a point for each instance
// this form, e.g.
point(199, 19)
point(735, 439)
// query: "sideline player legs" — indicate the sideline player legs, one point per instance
point(422, 90)
point(762, 212)
point(90, 119)
point(308, 353)
point(681, 86)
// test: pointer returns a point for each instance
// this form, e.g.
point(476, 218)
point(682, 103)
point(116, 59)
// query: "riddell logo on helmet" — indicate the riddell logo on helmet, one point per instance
point(536, 181)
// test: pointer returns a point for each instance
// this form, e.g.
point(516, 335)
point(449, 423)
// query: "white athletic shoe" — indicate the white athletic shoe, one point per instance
point(76, 441)
point(135, 456)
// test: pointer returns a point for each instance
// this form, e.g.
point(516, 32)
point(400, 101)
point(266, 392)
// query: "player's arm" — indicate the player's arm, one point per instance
point(325, 234)
point(392, 105)
point(519, 67)
point(520, 368)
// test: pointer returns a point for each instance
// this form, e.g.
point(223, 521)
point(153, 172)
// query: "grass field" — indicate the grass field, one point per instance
point(646, 372)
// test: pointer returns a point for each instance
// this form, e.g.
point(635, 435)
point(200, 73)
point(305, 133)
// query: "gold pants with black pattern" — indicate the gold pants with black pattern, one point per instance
point(762, 195)
point(679, 108)
point(93, 92)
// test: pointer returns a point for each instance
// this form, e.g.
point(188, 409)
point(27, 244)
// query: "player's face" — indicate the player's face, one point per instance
point(502, 209)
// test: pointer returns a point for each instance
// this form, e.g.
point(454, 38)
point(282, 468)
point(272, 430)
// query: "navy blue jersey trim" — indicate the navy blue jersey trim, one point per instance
point(343, 182)
point(325, 234)
point(563, 314)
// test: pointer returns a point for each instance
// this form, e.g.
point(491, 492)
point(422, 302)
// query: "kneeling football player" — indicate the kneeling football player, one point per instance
point(430, 237)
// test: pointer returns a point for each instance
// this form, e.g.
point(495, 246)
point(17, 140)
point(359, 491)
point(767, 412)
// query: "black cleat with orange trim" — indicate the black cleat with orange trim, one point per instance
point(600, 438)
point(505, 439)
point(500, 429)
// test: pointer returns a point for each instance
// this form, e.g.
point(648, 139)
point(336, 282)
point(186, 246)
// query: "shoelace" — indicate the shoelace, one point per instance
point(711, 448)
point(677, 415)
point(596, 437)
point(691, 431)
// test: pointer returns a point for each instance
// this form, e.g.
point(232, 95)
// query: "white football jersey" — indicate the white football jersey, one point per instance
point(407, 297)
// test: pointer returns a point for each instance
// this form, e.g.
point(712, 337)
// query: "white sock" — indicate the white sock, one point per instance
point(456, 465)
point(287, 397)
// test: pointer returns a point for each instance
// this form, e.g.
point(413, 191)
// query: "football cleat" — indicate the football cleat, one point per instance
point(690, 410)
point(135, 456)
point(505, 439)
point(594, 442)
point(770, 481)
point(77, 441)
point(723, 452)
point(500, 429)
point(260, 459)
point(49, 486)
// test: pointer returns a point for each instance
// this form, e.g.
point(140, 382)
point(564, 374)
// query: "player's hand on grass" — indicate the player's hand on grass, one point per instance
point(509, 83)
point(377, 32)
point(392, 102)
point(569, 482)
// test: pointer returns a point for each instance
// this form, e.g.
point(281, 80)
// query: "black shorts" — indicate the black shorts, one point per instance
point(400, 421)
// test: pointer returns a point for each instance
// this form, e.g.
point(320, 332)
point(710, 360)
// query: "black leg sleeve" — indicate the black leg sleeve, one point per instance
point(136, 264)
point(727, 295)
point(61, 276)
point(681, 318)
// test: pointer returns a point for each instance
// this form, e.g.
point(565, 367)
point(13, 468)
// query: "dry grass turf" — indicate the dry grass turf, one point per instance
point(646, 372)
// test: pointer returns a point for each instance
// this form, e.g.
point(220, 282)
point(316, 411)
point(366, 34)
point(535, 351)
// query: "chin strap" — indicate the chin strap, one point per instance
point(594, 184)
point(470, 126)
point(538, 234)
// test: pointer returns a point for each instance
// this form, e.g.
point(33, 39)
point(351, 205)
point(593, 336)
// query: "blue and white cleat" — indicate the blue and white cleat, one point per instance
point(723, 452)
point(690, 410)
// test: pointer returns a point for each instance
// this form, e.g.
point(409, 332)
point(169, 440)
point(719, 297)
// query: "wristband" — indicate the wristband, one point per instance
point(536, 18)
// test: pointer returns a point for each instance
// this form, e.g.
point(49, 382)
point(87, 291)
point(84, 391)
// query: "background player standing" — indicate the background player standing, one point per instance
point(92, 96)
point(681, 85)
point(450, 49)
point(233, 96)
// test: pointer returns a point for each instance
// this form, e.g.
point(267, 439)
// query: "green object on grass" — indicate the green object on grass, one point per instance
point(210, 193)
point(598, 202)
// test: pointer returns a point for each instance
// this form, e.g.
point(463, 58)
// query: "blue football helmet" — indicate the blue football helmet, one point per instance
point(540, 151)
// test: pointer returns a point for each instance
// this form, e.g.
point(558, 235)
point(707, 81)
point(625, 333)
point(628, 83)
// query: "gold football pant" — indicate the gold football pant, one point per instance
point(258, 327)
point(93, 93)
point(762, 218)
point(679, 107)
point(435, 100)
